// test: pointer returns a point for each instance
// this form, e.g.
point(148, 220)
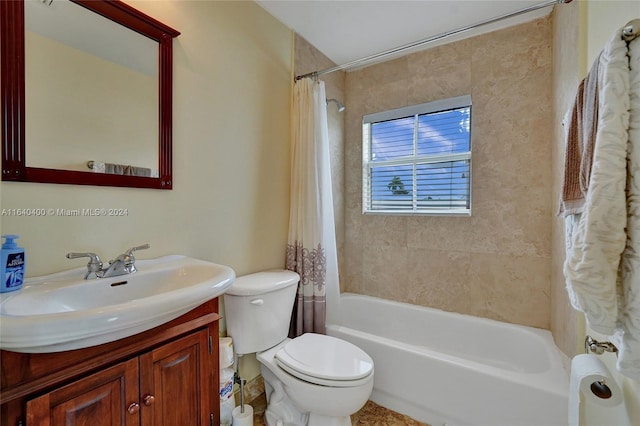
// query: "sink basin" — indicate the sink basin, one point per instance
point(62, 311)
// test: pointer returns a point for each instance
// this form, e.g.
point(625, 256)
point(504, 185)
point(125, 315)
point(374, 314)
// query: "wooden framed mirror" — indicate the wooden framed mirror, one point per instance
point(19, 160)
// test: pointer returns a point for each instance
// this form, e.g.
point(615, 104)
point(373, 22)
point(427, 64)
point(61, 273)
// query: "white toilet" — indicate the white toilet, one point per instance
point(314, 379)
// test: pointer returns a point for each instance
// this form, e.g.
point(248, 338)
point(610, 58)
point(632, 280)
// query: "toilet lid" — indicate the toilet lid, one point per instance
point(325, 360)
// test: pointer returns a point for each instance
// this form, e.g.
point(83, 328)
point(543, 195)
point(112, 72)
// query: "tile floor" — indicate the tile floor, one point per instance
point(371, 415)
point(375, 415)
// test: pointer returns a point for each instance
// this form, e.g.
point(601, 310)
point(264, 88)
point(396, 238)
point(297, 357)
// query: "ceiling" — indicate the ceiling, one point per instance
point(346, 30)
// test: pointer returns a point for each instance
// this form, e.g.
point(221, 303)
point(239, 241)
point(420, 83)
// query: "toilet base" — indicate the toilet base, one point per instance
point(274, 417)
point(280, 409)
point(295, 402)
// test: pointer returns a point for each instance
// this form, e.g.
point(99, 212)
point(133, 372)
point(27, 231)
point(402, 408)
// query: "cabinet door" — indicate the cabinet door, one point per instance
point(175, 383)
point(107, 398)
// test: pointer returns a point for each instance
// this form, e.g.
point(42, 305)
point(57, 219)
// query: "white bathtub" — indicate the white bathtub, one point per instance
point(451, 369)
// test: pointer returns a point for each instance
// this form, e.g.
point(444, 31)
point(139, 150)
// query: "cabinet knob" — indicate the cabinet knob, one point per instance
point(133, 408)
point(149, 400)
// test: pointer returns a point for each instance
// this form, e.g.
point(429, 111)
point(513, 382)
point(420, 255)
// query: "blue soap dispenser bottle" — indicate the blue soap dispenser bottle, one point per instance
point(12, 266)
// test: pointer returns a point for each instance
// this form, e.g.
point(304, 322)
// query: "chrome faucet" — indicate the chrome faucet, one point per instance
point(121, 265)
point(94, 267)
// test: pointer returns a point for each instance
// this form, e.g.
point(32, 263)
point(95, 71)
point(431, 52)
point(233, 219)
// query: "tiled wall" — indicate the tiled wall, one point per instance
point(566, 324)
point(496, 263)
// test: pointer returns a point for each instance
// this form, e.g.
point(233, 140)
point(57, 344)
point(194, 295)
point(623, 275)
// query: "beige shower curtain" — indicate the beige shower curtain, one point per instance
point(311, 247)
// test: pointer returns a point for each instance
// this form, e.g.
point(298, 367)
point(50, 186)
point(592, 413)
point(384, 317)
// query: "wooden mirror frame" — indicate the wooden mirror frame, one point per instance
point(12, 97)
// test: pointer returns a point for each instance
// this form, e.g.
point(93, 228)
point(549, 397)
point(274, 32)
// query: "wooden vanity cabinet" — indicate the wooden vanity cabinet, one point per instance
point(166, 376)
point(96, 400)
point(172, 387)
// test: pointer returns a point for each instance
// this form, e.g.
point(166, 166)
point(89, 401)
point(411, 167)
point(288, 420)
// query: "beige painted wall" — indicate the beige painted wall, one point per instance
point(495, 263)
point(232, 74)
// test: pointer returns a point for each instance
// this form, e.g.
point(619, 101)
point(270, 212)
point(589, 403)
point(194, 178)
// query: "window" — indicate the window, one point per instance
point(417, 160)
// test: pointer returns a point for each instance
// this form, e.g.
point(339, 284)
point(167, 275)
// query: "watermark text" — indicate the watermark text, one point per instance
point(63, 212)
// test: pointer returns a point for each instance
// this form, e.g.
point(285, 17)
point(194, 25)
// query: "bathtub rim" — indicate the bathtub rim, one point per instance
point(558, 360)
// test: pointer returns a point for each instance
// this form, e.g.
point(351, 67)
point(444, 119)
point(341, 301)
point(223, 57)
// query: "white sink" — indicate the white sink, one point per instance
point(62, 311)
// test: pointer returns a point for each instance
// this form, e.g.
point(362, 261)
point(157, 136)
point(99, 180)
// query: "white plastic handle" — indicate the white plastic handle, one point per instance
point(258, 302)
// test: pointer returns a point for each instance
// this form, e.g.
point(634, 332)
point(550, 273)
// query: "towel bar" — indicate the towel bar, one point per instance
point(598, 348)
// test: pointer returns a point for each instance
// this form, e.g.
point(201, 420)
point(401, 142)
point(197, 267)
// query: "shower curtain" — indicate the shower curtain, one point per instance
point(311, 245)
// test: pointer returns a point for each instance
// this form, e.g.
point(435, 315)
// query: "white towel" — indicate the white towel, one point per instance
point(121, 169)
point(629, 317)
point(598, 237)
point(97, 166)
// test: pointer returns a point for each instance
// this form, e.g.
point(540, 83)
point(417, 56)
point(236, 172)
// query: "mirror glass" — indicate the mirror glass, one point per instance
point(85, 83)
point(102, 77)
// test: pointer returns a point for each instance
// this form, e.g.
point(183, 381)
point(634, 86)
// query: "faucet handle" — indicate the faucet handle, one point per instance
point(128, 260)
point(132, 249)
point(93, 258)
point(93, 267)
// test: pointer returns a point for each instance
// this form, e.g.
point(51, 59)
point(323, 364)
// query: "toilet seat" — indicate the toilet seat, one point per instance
point(325, 360)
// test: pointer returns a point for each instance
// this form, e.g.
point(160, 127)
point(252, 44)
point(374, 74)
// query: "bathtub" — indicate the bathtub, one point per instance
point(452, 369)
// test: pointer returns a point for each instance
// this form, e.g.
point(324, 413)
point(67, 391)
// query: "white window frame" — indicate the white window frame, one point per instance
point(368, 164)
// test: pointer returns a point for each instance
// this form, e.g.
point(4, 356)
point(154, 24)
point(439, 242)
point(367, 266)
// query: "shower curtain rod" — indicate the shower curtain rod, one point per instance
point(419, 43)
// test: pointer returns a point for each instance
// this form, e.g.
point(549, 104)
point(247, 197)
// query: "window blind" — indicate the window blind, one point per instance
point(417, 160)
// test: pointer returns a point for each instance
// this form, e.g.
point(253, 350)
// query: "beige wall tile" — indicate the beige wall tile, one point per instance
point(511, 288)
point(431, 282)
point(386, 278)
point(495, 263)
point(567, 325)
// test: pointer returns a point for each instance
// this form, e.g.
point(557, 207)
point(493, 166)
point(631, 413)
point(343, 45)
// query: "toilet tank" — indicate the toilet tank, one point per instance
point(258, 309)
